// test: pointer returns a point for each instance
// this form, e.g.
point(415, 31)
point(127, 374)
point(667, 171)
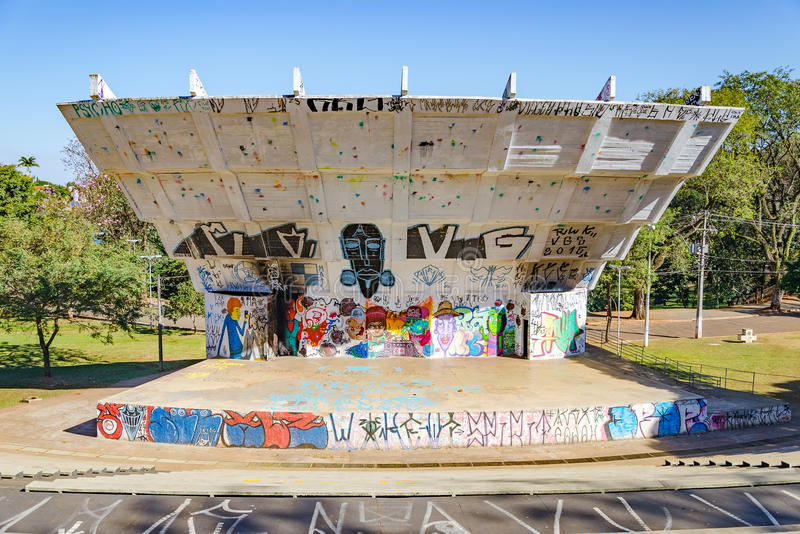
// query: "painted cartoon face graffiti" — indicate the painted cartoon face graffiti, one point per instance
point(364, 245)
point(445, 325)
point(233, 329)
point(237, 327)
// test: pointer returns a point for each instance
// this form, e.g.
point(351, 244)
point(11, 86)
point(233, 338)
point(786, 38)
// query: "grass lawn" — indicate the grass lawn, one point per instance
point(80, 361)
point(775, 358)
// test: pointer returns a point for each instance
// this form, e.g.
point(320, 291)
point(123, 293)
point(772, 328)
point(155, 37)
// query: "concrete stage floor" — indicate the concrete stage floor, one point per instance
point(404, 403)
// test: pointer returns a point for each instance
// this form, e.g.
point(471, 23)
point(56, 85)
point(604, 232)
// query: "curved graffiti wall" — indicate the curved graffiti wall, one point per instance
point(414, 430)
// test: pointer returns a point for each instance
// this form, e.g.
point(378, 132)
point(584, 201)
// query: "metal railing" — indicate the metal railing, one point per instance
point(694, 374)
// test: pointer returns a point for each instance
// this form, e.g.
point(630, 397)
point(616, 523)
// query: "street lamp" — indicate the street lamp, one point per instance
point(150, 282)
point(133, 242)
point(619, 269)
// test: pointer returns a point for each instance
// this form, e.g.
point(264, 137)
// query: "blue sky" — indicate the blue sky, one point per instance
point(558, 49)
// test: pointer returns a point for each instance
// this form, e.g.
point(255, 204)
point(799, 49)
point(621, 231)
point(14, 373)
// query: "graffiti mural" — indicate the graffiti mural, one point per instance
point(326, 327)
point(508, 243)
point(281, 430)
point(394, 428)
point(237, 327)
point(558, 325)
point(473, 331)
point(364, 246)
point(231, 275)
point(214, 239)
point(551, 276)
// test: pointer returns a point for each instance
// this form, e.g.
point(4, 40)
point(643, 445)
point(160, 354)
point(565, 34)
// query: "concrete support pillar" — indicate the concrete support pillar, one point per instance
point(557, 325)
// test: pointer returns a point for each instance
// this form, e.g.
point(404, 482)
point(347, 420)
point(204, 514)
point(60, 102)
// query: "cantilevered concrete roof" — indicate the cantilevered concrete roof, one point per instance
point(523, 182)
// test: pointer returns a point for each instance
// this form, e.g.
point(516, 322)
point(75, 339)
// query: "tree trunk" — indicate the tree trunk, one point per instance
point(638, 303)
point(194, 323)
point(45, 345)
point(777, 296)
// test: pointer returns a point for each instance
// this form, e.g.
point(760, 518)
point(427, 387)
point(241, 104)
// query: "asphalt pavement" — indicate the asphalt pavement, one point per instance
point(753, 509)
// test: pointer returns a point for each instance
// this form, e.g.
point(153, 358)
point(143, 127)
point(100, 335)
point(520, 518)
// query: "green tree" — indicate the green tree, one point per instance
point(51, 270)
point(186, 302)
point(773, 102)
point(28, 162)
point(753, 176)
point(18, 197)
point(100, 199)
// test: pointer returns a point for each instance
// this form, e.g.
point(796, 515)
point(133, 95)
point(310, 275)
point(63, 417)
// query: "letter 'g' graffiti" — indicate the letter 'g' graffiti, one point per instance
point(364, 245)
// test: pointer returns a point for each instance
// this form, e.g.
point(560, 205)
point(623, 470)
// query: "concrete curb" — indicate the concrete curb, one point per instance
point(422, 482)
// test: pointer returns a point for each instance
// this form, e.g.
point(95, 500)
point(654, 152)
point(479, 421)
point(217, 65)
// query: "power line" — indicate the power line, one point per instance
point(735, 259)
point(752, 221)
point(694, 271)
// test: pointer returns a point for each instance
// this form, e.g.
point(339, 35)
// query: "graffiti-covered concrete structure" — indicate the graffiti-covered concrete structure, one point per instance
point(396, 225)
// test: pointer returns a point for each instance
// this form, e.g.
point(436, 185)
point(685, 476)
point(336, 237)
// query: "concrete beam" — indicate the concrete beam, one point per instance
point(402, 141)
point(609, 90)
point(700, 97)
point(404, 81)
point(563, 199)
point(297, 83)
point(634, 201)
point(484, 196)
point(99, 89)
point(216, 160)
point(714, 148)
point(134, 165)
point(301, 130)
point(511, 87)
point(196, 88)
point(678, 144)
point(597, 134)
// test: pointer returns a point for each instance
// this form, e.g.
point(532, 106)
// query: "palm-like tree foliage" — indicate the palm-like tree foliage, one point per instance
point(28, 162)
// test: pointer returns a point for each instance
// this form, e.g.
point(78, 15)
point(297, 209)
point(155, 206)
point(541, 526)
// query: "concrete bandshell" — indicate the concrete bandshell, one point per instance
point(551, 188)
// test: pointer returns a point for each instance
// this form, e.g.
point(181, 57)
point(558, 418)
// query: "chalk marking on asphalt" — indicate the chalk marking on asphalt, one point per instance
point(634, 514)
point(792, 495)
point(512, 516)
point(320, 510)
point(715, 507)
point(362, 514)
point(611, 521)
point(98, 515)
point(557, 518)
point(225, 508)
point(451, 525)
point(11, 521)
point(169, 518)
point(668, 515)
point(71, 529)
point(761, 507)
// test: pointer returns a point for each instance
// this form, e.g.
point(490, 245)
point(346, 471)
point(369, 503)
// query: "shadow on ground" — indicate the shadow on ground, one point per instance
point(69, 375)
point(87, 428)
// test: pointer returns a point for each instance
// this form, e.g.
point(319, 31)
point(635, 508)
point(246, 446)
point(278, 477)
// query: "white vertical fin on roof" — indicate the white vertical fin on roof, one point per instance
point(196, 88)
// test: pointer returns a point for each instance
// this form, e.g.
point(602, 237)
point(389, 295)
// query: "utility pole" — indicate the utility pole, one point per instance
point(698, 326)
point(160, 329)
point(647, 298)
point(619, 269)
